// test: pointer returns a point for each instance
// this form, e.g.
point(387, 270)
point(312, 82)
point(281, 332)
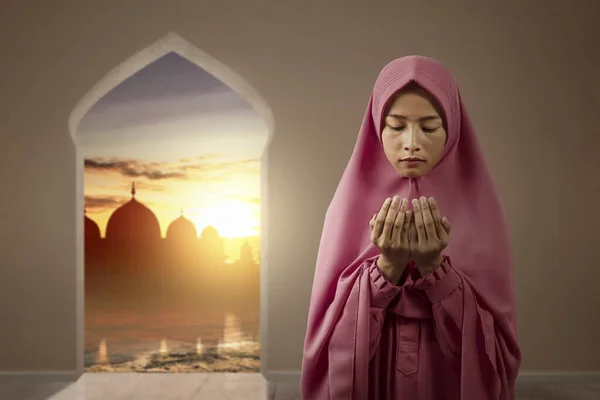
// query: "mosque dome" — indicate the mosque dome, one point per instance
point(90, 229)
point(133, 223)
point(182, 229)
point(211, 244)
point(210, 234)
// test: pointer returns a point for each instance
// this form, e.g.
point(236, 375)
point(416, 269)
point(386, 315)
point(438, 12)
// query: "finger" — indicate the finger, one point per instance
point(399, 222)
point(437, 219)
point(372, 226)
point(406, 227)
point(372, 221)
point(388, 225)
point(421, 235)
point(428, 221)
point(446, 225)
point(381, 218)
point(412, 231)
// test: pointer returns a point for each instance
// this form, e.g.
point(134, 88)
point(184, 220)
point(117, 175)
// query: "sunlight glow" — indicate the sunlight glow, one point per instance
point(231, 218)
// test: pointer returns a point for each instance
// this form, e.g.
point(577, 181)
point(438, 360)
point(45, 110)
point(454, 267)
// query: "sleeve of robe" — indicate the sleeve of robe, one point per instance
point(351, 342)
point(383, 292)
point(480, 338)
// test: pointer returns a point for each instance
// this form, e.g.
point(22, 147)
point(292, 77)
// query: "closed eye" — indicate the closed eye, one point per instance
point(401, 128)
point(395, 128)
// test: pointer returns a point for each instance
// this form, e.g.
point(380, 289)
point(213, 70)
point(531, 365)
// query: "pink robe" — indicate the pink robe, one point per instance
point(418, 328)
point(451, 335)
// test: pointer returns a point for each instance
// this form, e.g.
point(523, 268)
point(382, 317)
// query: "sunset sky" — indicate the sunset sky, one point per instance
point(188, 141)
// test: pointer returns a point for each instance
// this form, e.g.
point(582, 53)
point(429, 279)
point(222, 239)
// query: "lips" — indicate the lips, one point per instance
point(412, 159)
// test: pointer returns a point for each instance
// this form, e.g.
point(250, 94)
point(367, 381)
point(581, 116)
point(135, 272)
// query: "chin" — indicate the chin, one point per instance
point(410, 173)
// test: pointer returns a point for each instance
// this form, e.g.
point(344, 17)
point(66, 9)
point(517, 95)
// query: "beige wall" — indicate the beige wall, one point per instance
point(526, 73)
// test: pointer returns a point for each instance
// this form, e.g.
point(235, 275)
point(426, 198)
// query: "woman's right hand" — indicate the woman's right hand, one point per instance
point(389, 233)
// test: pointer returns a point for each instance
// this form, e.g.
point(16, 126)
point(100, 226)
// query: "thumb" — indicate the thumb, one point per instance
point(372, 222)
point(446, 224)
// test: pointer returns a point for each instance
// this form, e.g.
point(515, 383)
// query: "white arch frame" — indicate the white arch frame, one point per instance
point(172, 42)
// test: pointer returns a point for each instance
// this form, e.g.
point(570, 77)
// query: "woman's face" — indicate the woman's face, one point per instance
point(414, 130)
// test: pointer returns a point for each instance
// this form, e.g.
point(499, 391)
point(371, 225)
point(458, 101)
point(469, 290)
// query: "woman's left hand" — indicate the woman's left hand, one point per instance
point(429, 234)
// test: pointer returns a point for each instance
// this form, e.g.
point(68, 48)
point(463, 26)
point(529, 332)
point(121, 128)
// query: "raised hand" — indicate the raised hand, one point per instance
point(389, 233)
point(429, 234)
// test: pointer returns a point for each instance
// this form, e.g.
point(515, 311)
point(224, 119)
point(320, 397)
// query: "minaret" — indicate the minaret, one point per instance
point(133, 190)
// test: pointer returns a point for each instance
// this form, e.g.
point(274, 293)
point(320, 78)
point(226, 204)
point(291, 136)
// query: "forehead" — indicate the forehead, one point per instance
point(414, 101)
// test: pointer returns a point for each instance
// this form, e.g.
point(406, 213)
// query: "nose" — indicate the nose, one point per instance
point(411, 145)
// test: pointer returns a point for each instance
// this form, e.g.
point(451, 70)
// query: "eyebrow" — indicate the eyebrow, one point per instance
point(425, 118)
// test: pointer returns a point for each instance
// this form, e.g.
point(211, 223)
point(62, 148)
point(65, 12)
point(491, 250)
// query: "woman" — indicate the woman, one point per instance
point(407, 306)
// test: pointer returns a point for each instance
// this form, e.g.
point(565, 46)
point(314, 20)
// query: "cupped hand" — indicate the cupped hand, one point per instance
point(429, 234)
point(389, 233)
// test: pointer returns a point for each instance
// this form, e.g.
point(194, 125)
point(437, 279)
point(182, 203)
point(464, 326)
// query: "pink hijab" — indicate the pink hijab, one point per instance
point(463, 187)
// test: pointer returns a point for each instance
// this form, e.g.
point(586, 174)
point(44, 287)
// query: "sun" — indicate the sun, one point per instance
point(232, 219)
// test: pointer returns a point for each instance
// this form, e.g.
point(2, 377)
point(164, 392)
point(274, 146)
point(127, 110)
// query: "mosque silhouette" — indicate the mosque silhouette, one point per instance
point(134, 256)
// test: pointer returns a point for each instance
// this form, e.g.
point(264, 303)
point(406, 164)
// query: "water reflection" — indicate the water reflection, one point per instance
point(234, 351)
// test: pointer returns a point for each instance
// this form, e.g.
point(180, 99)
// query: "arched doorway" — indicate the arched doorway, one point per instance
point(170, 44)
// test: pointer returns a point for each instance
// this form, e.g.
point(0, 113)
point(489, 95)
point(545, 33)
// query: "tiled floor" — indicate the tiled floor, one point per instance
point(125, 386)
